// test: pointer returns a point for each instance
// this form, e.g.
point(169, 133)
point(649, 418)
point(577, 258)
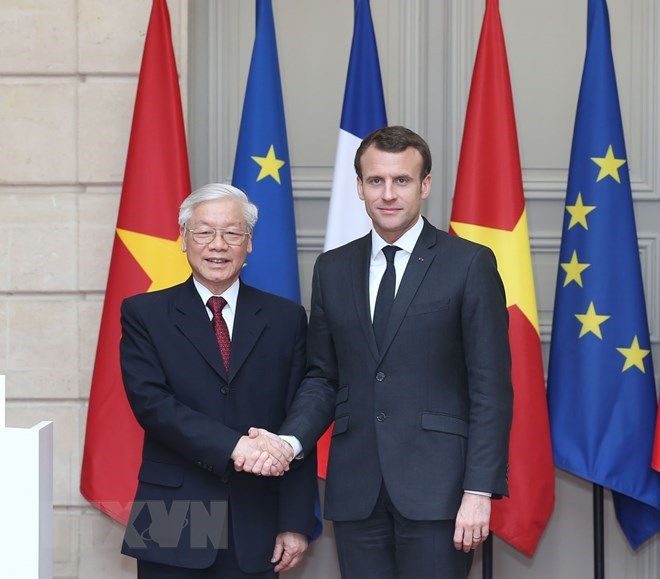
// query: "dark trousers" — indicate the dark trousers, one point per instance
point(225, 566)
point(389, 546)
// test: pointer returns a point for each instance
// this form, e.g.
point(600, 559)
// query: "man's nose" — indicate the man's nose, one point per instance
point(388, 191)
point(218, 241)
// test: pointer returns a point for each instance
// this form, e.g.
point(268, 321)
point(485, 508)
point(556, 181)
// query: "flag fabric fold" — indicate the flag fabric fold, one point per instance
point(262, 168)
point(146, 256)
point(489, 208)
point(601, 389)
point(363, 111)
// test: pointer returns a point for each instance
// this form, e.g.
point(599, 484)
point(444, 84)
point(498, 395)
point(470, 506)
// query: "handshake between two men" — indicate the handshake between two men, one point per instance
point(262, 453)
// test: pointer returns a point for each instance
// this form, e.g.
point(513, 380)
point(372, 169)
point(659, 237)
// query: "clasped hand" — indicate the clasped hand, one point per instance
point(262, 453)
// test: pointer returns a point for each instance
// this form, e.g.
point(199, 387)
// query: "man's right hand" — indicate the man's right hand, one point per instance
point(262, 453)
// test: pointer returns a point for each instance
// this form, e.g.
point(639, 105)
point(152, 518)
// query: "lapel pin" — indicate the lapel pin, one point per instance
point(420, 258)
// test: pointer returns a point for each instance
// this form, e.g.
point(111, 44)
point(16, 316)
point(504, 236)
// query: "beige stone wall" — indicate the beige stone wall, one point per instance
point(68, 74)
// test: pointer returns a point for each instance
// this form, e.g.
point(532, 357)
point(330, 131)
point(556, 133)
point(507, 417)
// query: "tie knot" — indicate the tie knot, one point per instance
point(216, 303)
point(389, 251)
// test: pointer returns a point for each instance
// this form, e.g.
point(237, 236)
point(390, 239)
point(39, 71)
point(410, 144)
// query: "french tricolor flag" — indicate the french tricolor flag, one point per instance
point(362, 113)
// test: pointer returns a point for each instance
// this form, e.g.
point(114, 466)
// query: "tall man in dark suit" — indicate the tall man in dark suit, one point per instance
point(408, 352)
point(199, 371)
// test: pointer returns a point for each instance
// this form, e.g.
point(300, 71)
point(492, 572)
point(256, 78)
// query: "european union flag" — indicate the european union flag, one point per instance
point(262, 168)
point(601, 390)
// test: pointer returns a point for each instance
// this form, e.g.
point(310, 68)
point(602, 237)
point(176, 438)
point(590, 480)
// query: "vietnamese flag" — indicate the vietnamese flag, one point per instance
point(146, 256)
point(489, 208)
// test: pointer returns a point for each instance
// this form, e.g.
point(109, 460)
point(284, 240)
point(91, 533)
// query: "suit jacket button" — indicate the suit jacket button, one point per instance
point(224, 479)
point(381, 417)
point(224, 390)
point(380, 376)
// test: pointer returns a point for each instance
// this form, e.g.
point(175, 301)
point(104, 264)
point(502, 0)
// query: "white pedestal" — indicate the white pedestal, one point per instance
point(26, 499)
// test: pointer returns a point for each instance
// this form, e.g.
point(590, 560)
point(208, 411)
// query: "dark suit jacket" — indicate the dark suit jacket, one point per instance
point(193, 415)
point(430, 414)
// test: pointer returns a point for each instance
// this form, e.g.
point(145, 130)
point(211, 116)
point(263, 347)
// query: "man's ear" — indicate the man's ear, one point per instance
point(426, 186)
point(359, 189)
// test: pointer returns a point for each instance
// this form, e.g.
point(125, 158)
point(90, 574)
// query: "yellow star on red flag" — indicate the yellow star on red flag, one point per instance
point(161, 259)
point(514, 261)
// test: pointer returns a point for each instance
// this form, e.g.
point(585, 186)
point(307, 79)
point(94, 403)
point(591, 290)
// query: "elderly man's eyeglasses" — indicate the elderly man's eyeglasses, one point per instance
point(206, 235)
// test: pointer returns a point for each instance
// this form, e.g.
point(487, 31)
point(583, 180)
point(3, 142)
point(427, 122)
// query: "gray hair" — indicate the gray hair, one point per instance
point(214, 191)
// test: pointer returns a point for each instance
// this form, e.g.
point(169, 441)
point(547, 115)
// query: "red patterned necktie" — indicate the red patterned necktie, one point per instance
point(216, 304)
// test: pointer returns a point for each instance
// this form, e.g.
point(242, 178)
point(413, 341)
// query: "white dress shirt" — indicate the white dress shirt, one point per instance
point(406, 244)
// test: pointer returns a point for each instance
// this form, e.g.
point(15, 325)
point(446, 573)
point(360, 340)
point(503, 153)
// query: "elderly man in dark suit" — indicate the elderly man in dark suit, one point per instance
point(202, 362)
point(408, 352)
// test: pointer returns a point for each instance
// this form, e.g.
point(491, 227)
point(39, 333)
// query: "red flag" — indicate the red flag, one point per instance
point(146, 256)
point(489, 208)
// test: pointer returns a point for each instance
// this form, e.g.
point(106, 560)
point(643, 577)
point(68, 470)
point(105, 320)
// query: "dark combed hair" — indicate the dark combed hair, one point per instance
point(395, 139)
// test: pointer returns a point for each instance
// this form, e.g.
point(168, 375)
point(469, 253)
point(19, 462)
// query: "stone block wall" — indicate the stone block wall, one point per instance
point(68, 75)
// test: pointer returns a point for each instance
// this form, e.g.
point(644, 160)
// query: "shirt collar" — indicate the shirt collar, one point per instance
point(230, 294)
point(406, 242)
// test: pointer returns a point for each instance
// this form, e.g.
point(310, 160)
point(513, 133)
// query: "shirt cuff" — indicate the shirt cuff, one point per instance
point(295, 444)
point(479, 493)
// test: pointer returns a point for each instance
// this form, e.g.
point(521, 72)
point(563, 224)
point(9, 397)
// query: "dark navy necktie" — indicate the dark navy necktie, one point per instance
point(385, 296)
point(216, 304)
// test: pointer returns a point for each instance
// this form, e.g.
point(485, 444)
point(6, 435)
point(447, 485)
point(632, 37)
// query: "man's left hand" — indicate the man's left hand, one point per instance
point(472, 522)
point(289, 551)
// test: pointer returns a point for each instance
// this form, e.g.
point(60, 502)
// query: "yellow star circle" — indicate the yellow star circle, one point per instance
point(634, 356)
point(591, 321)
point(609, 166)
point(270, 165)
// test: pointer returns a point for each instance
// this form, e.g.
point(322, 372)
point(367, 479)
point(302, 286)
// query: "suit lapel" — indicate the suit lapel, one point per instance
point(248, 326)
point(419, 263)
point(192, 319)
point(360, 261)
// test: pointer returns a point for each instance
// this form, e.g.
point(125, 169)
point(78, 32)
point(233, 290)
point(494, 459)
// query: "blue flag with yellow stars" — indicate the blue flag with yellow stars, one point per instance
point(601, 389)
point(262, 168)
